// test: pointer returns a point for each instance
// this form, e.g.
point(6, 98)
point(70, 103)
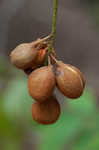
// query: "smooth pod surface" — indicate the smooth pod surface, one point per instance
point(70, 80)
point(47, 112)
point(41, 83)
point(79, 72)
point(24, 55)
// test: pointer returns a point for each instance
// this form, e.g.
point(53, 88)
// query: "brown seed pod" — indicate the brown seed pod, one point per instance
point(80, 73)
point(70, 80)
point(41, 59)
point(25, 55)
point(41, 83)
point(38, 62)
point(47, 112)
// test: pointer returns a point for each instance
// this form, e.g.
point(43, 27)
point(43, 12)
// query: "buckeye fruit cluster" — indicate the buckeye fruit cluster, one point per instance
point(42, 80)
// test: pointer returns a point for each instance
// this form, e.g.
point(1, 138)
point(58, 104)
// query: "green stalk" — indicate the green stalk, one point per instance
point(53, 25)
point(55, 6)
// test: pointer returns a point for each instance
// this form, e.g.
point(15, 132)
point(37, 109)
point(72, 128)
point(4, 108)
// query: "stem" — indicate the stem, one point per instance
point(42, 40)
point(49, 61)
point(46, 38)
point(53, 25)
point(53, 58)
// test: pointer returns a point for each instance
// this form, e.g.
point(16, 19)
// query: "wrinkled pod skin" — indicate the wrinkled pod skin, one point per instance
point(23, 55)
point(41, 83)
point(70, 81)
point(47, 112)
point(29, 55)
point(40, 60)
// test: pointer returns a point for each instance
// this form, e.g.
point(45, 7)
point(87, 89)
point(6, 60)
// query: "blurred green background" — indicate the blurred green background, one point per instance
point(78, 125)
